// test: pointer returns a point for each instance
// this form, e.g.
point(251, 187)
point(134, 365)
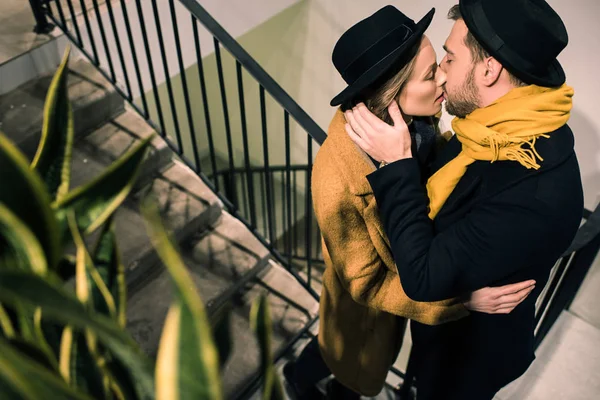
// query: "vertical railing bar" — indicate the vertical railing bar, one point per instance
point(211, 145)
point(61, 15)
point(272, 212)
point(283, 235)
point(42, 26)
point(224, 103)
point(186, 94)
point(74, 21)
point(264, 204)
point(113, 23)
point(295, 231)
point(288, 173)
point(48, 7)
point(136, 63)
point(244, 189)
point(245, 143)
point(88, 26)
point(265, 138)
point(308, 216)
point(104, 41)
point(163, 54)
point(150, 67)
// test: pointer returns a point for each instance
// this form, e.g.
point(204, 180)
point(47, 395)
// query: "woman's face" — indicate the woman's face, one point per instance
point(422, 94)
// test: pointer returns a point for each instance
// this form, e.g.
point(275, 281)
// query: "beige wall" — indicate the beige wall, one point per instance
point(299, 58)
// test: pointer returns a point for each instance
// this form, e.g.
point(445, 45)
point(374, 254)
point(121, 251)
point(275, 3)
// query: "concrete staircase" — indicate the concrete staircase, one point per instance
point(225, 259)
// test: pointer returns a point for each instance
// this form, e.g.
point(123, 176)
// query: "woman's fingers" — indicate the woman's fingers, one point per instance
point(516, 287)
point(360, 120)
point(369, 118)
point(396, 115)
point(355, 137)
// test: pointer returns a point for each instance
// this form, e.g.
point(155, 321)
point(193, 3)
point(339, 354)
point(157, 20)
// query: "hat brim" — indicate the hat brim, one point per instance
point(552, 76)
point(377, 70)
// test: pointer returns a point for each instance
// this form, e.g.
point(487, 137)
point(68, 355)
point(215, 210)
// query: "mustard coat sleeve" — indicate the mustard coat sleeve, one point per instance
point(349, 249)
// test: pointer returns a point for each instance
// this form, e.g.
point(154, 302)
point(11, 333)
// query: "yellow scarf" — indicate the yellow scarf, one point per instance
point(500, 131)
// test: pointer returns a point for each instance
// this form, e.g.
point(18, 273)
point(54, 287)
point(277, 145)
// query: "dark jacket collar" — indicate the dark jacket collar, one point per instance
point(491, 178)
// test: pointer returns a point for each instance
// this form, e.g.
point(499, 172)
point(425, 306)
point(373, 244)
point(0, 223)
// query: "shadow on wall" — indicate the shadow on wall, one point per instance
point(270, 43)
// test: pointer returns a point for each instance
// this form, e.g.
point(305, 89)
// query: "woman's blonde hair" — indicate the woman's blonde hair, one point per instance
point(380, 95)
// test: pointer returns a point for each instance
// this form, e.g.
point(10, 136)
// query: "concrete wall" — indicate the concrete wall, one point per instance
point(300, 59)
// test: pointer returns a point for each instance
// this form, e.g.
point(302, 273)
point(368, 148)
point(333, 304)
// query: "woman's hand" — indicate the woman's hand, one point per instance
point(499, 300)
point(381, 141)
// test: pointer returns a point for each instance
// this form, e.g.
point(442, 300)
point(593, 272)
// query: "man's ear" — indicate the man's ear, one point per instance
point(492, 70)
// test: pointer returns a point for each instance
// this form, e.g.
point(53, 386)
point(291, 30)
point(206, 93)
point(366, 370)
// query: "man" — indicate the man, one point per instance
point(504, 200)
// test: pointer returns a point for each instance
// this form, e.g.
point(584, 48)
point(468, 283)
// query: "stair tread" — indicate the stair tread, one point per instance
point(116, 137)
point(217, 260)
point(22, 109)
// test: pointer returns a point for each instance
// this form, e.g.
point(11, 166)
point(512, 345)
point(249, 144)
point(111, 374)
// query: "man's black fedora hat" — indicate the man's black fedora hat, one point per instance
point(367, 50)
point(525, 36)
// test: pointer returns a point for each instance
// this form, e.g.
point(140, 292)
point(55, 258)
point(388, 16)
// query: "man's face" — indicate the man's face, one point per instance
point(460, 90)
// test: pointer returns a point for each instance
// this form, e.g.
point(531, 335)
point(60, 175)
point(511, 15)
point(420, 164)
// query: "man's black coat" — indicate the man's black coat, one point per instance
point(502, 224)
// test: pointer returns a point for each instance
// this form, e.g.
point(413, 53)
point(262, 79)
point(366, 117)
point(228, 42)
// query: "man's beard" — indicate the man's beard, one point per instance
point(466, 98)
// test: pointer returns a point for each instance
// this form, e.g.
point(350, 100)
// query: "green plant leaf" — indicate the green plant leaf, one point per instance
point(28, 200)
point(21, 248)
point(6, 324)
point(122, 381)
point(78, 366)
point(96, 201)
point(187, 365)
point(260, 321)
point(110, 268)
point(89, 286)
point(59, 305)
point(34, 352)
point(23, 378)
point(40, 338)
point(53, 157)
point(222, 333)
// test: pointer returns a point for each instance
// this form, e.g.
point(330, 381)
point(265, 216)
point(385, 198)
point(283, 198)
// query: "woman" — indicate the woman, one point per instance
point(363, 309)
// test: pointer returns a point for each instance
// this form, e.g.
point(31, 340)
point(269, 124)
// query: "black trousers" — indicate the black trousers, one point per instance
point(310, 368)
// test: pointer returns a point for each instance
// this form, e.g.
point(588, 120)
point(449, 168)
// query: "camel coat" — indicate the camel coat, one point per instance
point(360, 331)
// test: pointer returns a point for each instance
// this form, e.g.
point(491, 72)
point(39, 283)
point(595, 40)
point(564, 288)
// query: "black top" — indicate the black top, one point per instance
point(502, 224)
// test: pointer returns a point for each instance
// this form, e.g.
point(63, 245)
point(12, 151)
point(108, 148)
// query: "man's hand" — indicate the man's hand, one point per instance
point(381, 141)
point(499, 300)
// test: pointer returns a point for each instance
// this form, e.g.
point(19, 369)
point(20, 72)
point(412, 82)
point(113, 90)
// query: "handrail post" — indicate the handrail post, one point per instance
point(42, 26)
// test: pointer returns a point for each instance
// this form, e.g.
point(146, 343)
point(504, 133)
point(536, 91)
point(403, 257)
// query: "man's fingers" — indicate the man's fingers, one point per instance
point(516, 287)
point(396, 114)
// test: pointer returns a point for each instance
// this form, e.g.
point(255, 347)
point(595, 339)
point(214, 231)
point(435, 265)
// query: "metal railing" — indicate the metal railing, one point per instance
point(111, 41)
point(271, 198)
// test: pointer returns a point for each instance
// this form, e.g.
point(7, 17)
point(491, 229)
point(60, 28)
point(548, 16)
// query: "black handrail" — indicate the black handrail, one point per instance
point(250, 64)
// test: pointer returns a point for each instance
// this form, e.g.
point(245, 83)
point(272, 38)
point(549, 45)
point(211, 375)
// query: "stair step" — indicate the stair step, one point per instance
point(288, 319)
point(567, 365)
point(113, 139)
point(94, 102)
point(219, 260)
point(187, 207)
point(216, 258)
